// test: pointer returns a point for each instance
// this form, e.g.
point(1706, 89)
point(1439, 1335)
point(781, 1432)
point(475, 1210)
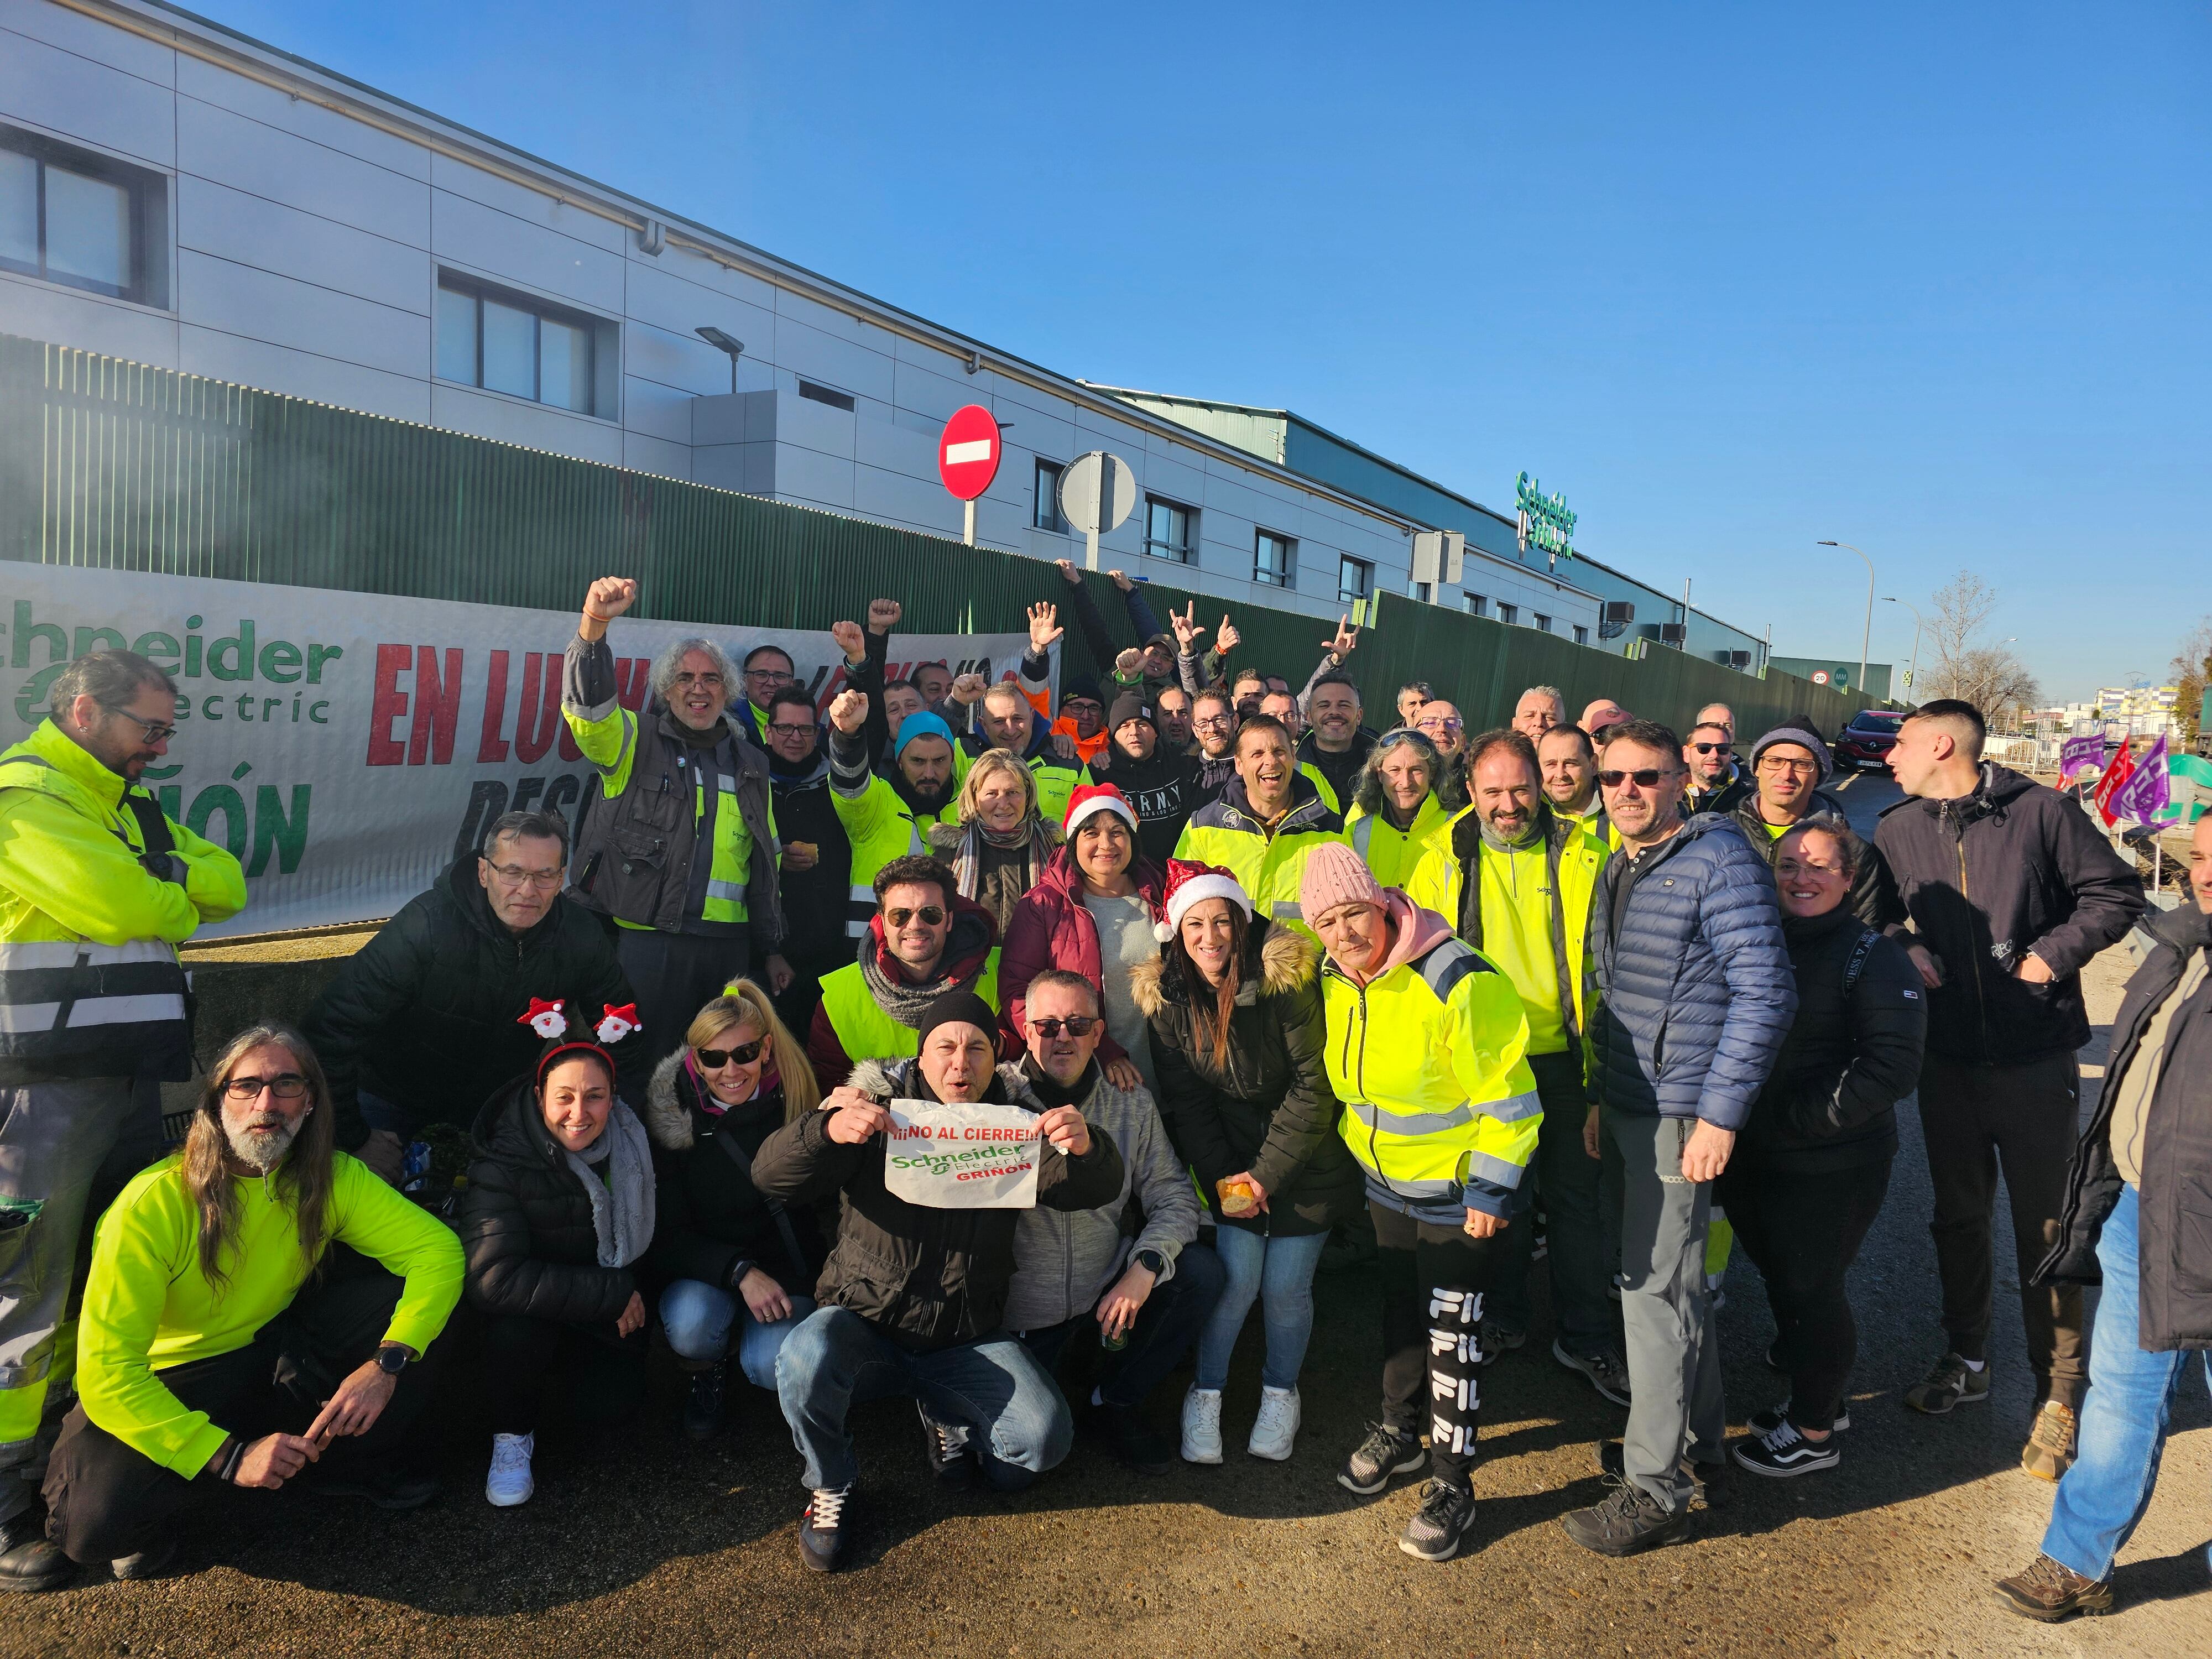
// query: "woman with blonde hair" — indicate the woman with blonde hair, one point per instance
point(737, 1267)
point(999, 847)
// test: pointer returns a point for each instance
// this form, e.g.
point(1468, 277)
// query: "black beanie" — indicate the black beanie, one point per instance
point(1131, 705)
point(958, 1008)
point(1077, 685)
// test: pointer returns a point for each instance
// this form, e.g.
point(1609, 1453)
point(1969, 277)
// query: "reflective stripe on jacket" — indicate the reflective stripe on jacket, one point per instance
point(881, 827)
point(1393, 853)
point(1267, 863)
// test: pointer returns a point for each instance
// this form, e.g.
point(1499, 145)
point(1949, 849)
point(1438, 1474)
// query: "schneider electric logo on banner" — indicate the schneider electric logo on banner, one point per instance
point(348, 746)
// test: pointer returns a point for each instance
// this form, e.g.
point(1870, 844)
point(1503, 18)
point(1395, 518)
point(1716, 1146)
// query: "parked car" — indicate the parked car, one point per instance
point(1864, 744)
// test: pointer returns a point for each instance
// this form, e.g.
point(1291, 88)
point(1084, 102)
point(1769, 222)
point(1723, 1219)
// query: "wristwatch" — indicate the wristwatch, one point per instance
point(1152, 1261)
point(392, 1359)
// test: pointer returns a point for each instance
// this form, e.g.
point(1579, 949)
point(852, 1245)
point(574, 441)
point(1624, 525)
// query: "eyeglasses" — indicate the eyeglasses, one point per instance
point(1780, 763)
point(1077, 1025)
point(1710, 748)
point(1214, 722)
point(514, 875)
point(1647, 779)
point(770, 674)
point(787, 729)
point(929, 916)
point(156, 731)
point(744, 1054)
point(1080, 705)
point(710, 681)
point(1440, 724)
point(286, 1086)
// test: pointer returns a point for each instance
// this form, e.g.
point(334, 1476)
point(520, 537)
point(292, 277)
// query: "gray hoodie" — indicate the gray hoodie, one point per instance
point(1065, 1260)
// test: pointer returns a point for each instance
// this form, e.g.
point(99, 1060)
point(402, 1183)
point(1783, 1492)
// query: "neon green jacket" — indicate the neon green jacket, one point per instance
point(1267, 863)
point(1430, 1060)
point(878, 823)
point(1389, 852)
point(148, 1306)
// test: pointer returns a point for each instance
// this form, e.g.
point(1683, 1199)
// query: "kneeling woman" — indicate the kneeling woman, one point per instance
point(1237, 1032)
point(560, 1207)
point(738, 1266)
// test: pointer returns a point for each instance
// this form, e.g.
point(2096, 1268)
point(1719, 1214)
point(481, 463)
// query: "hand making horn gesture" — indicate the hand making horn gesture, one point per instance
point(1347, 636)
point(1186, 628)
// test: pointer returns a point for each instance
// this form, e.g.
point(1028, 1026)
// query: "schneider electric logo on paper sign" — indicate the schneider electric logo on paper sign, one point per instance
point(1545, 522)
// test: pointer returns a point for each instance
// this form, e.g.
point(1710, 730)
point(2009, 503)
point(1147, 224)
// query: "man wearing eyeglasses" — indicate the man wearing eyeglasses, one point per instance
point(1440, 723)
point(1696, 994)
point(98, 888)
point(432, 1015)
point(1787, 765)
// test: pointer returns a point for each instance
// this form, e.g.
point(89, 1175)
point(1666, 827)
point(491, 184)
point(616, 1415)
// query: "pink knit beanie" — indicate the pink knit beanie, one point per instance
point(1335, 875)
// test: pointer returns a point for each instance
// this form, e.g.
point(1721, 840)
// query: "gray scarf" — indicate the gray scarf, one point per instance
point(622, 1205)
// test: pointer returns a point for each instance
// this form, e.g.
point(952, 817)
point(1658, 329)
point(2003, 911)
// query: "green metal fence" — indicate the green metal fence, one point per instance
point(114, 465)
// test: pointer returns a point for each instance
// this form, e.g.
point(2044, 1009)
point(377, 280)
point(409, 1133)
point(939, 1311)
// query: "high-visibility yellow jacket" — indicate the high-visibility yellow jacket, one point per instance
point(1268, 862)
point(1430, 1061)
point(880, 825)
point(865, 1031)
point(1322, 786)
point(1532, 919)
point(1390, 853)
point(89, 983)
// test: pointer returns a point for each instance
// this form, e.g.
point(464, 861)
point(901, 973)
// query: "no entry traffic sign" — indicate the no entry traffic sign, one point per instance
point(967, 452)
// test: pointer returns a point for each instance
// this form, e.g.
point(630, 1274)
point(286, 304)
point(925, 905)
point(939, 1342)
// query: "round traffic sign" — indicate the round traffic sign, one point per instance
point(1097, 492)
point(968, 452)
point(1819, 676)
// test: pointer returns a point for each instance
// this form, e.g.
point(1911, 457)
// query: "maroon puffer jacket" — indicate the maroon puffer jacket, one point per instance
point(1052, 929)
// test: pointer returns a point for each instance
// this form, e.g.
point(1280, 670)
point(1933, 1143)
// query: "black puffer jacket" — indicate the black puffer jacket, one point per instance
point(927, 1278)
point(2011, 868)
point(526, 1222)
point(1268, 1108)
point(2173, 1295)
point(1872, 899)
point(1831, 1101)
point(710, 1223)
point(432, 1013)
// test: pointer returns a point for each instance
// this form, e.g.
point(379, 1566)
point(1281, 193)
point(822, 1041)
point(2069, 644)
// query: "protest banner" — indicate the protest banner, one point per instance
point(2141, 795)
point(348, 746)
point(976, 1156)
point(2080, 755)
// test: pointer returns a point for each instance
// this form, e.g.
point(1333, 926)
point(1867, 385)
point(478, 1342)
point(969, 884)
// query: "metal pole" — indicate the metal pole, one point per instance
point(968, 534)
point(1919, 624)
point(1091, 549)
point(1866, 637)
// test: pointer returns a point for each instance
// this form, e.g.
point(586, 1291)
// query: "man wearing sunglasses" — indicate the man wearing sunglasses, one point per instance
point(98, 887)
point(1787, 765)
point(1713, 770)
point(1686, 937)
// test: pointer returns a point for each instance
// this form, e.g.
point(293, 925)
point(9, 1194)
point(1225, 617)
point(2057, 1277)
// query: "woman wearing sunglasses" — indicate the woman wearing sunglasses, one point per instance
point(738, 1266)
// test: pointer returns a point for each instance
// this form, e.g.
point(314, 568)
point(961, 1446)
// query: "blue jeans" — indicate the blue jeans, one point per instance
point(1277, 1272)
point(836, 1359)
point(697, 1318)
point(2124, 1417)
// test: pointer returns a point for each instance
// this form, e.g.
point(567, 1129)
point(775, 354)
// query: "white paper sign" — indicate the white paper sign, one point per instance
point(962, 1157)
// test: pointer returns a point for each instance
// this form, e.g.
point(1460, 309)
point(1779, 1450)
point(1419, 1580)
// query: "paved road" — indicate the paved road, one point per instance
point(647, 1545)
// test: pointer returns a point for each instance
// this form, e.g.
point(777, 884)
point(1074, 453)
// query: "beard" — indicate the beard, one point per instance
point(261, 1152)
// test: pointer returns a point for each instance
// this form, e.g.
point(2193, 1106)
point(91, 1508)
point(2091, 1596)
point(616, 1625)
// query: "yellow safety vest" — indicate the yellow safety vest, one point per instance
point(865, 1031)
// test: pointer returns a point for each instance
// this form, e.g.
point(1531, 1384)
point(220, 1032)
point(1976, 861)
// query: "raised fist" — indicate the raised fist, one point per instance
point(1128, 666)
point(884, 615)
point(847, 709)
point(969, 688)
point(611, 596)
point(1045, 630)
point(849, 641)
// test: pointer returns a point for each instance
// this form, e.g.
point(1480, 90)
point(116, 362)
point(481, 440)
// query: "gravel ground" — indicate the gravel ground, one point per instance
point(647, 1544)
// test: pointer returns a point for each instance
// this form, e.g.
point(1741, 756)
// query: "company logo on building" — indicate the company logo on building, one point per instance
point(1545, 522)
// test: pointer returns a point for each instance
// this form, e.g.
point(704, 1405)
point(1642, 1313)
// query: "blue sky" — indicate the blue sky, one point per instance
point(1934, 280)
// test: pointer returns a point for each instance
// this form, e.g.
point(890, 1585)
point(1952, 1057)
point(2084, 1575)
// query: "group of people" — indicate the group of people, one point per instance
point(1252, 975)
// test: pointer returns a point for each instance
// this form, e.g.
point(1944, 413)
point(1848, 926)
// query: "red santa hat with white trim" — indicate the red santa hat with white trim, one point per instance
point(1096, 797)
point(1189, 882)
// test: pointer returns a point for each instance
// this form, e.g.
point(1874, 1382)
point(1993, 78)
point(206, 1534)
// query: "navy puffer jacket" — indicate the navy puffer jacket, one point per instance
point(1696, 992)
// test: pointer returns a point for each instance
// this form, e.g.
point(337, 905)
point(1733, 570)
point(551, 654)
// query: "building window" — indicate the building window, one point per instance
point(73, 217)
point(1168, 530)
point(1274, 560)
point(823, 394)
point(1355, 579)
point(1508, 613)
point(1582, 636)
point(1543, 622)
point(1476, 605)
point(1047, 514)
point(510, 342)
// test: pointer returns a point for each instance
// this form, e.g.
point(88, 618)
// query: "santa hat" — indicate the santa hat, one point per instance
point(1189, 882)
point(1096, 797)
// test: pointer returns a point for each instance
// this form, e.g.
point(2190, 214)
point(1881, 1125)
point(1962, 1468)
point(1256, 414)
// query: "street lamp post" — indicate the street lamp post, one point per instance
point(1919, 624)
point(1866, 636)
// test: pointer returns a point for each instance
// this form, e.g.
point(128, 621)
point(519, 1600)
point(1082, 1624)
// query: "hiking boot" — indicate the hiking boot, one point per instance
point(708, 1401)
point(1384, 1453)
point(822, 1529)
point(2050, 1450)
point(1125, 1435)
point(1629, 1520)
point(1612, 1461)
point(1606, 1374)
point(1447, 1510)
point(1952, 1383)
point(1276, 1429)
point(945, 1446)
point(1774, 1417)
point(2048, 1592)
point(1783, 1451)
point(29, 1560)
point(384, 1485)
point(155, 1561)
point(1201, 1425)
point(509, 1482)
point(1494, 1341)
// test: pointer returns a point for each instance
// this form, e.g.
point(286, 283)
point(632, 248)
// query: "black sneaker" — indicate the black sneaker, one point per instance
point(1629, 1520)
point(156, 1561)
point(945, 1446)
point(1125, 1434)
point(384, 1485)
point(29, 1561)
point(1494, 1341)
point(1765, 1422)
point(1783, 1452)
point(708, 1401)
point(1446, 1512)
point(1711, 1486)
point(1383, 1453)
point(1606, 1374)
point(822, 1529)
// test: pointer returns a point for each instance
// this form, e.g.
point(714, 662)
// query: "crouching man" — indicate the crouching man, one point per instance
point(211, 1351)
point(913, 1297)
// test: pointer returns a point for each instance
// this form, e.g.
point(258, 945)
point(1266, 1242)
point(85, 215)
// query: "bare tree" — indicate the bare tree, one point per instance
point(2190, 668)
point(1989, 677)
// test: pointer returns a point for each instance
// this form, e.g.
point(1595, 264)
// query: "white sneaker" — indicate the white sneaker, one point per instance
point(1201, 1425)
point(1277, 1428)
point(509, 1482)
